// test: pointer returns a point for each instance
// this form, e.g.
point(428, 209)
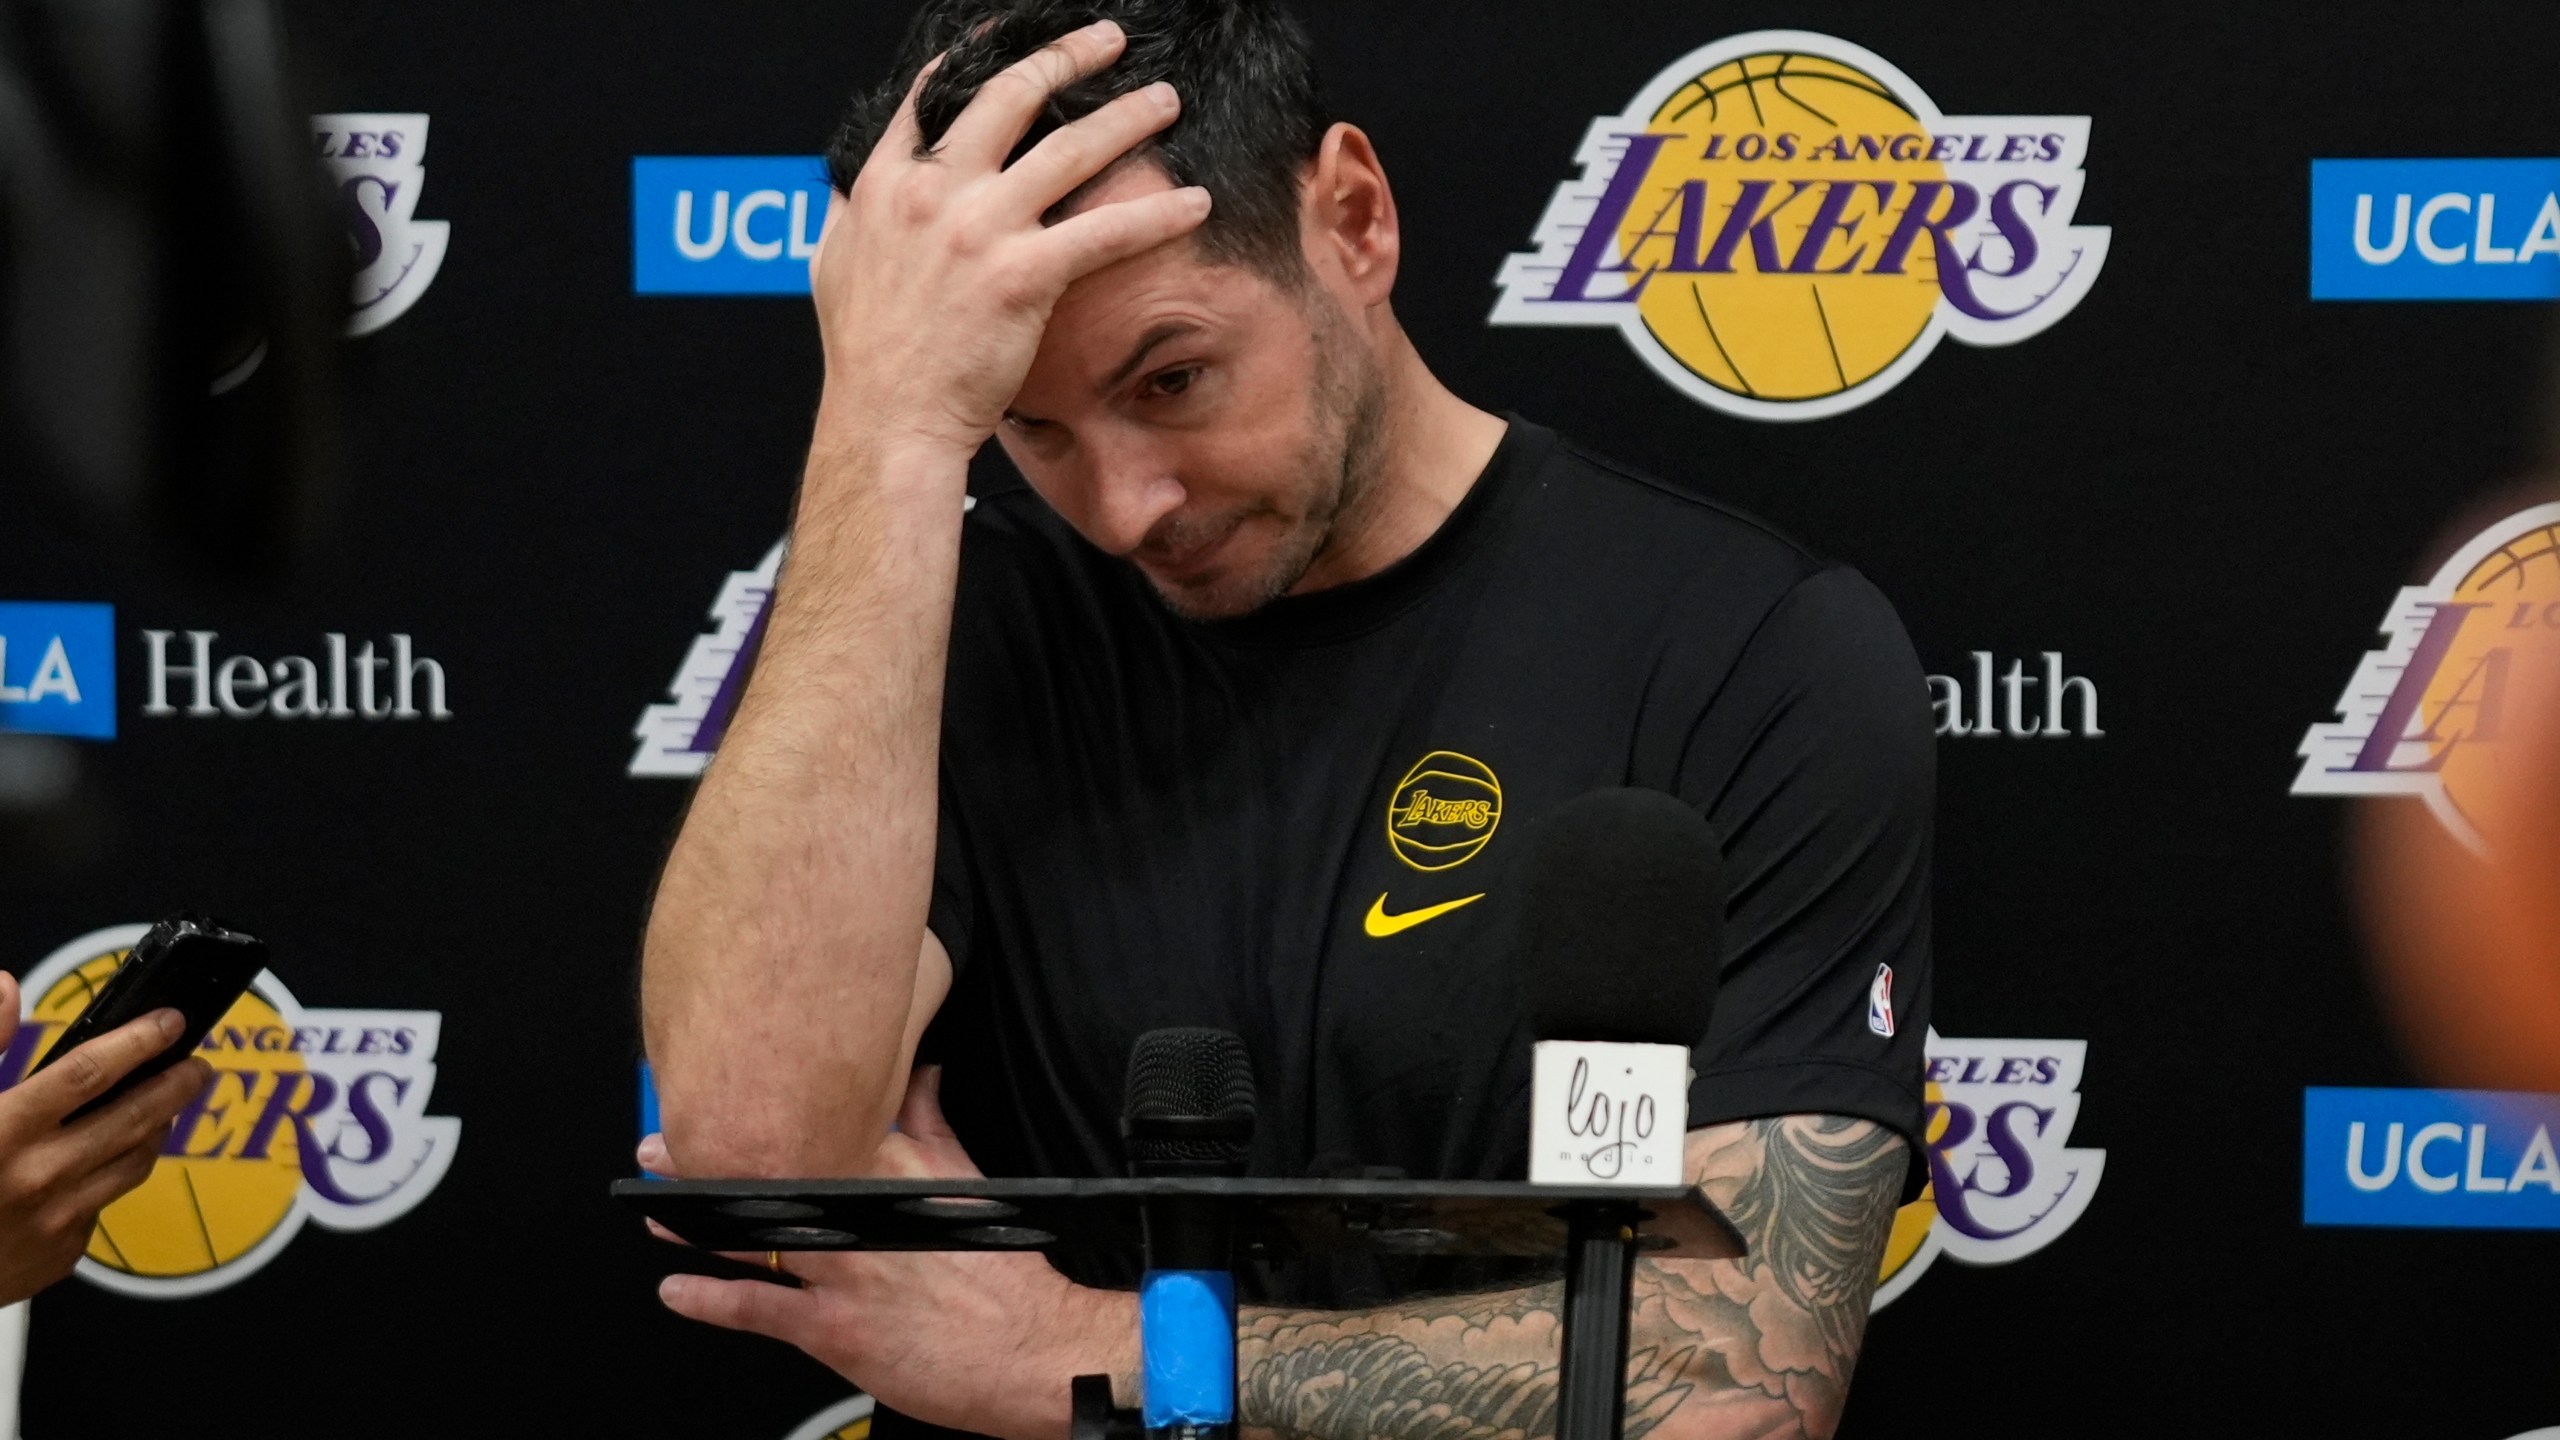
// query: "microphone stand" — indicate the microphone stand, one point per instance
point(1599, 1285)
point(1598, 1229)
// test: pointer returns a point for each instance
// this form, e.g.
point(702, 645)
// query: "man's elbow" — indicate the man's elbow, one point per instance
point(717, 1131)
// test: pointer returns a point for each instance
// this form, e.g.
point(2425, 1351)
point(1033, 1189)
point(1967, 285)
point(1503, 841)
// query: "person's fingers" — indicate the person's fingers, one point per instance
point(139, 1116)
point(1082, 244)
point(923, 1119)
point(900, 137)
point(1073, 154)
point(653, 1157)
point(761, 1259)
point(779, 1312)
point(102, 1187)
point(924, 1147)
point(920, 1113)
point(8, 1008)
point(1004, 107)
point(85, 1073)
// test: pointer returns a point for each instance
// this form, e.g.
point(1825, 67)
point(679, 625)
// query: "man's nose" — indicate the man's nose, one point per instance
point(1130, 489)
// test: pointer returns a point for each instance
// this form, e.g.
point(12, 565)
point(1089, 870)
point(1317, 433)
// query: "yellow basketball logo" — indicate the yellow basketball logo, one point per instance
point(207, 1204)
point(1443, 811)
point(1783, 226)
point(847, 1419)
point(312, 1114)
point(1913, 1222)
point(2424, 715)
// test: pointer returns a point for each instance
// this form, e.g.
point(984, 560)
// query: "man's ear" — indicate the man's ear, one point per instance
point(1349, 215)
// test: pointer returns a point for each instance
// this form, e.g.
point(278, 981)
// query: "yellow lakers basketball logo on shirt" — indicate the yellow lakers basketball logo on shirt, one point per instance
point(2423, 715)
point(1783, 226)
point(1444, 811)
point(312, 1115)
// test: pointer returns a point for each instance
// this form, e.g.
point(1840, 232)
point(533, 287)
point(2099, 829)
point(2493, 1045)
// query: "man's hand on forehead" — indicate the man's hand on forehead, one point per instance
point(937, 273)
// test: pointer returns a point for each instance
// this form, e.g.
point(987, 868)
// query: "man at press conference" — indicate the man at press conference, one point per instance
point(1157, 740)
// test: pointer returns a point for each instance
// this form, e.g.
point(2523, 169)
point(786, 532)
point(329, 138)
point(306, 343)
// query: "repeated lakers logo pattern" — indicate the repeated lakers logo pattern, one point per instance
point(1444, 811)
point(1783, 226)
point(377, 164)
point(312, 1115)
point(677, 738)
point(2004, 1181)
point(2424, 714)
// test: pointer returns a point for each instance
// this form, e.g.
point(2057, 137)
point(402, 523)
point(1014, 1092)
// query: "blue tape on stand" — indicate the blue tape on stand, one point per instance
point(648, 1112)
point(1187, 1327)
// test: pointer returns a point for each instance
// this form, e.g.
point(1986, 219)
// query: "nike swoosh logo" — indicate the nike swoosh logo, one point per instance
point(1379, 924)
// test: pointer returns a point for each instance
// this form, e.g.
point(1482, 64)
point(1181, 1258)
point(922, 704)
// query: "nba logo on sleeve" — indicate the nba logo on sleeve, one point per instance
point(57, 669)
point(1880, 1002)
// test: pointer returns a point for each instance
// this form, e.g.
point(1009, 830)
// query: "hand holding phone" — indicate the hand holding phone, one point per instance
point(186, 963)
point(57, 1172)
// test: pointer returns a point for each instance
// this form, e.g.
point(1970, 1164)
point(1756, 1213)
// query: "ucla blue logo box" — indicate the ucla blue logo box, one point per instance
point(58, 669)
point(2430, 1159)
point(2435, 229)
point(725, 224)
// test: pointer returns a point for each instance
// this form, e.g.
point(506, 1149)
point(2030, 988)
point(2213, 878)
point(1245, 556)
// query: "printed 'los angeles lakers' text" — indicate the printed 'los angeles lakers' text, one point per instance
point(1783, 226)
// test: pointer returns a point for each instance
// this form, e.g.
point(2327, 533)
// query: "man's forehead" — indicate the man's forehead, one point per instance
point(1105, 314)
point(1132, 175)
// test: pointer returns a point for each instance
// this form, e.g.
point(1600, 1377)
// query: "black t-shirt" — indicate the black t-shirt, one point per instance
point(1150, 821)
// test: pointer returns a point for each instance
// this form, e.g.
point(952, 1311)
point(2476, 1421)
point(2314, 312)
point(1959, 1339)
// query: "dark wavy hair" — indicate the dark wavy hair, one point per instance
point(1252, 113)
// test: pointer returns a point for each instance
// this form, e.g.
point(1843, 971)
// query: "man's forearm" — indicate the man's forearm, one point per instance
point(780, 965)
point(1762, 1346)
point(1471, 1365)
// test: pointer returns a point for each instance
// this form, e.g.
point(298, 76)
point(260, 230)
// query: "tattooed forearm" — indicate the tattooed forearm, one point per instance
point(1762, 1346)
point(1816, 1219)
point(1387, 1385)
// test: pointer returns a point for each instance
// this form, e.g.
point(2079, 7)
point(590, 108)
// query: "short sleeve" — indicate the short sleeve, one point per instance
point(1815, 763)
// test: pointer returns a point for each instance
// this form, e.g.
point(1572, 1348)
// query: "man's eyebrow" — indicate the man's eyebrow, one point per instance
point(1155, 336)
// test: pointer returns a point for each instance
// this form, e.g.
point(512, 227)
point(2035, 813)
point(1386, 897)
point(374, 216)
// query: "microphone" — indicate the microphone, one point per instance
point(1618, 916)
point(1618, 904)
point(1188, 1109)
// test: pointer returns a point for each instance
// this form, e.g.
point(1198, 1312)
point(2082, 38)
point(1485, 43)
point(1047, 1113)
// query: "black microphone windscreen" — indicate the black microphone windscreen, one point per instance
point(1188, 1105)
point(1619, 920)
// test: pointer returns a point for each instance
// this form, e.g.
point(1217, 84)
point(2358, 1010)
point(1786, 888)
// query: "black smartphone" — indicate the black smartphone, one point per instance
point(185, 963)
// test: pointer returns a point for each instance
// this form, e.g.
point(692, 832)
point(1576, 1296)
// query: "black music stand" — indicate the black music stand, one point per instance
point(1598, 1229)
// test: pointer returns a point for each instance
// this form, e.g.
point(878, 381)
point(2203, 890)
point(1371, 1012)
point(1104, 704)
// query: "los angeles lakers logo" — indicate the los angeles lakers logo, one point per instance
point(2423, 715)
point(1443, 811)
point(312, 1114)
point(1784, 226)
point(848, 1419)
point(2004, 1181)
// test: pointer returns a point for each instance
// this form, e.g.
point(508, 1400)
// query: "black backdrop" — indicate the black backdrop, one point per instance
point(2199, 486)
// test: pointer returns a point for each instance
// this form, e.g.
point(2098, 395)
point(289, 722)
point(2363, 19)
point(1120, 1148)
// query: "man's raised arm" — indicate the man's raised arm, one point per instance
point(787, 970)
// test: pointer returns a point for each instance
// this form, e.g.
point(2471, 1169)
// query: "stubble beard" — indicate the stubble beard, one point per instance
point(1339, 472)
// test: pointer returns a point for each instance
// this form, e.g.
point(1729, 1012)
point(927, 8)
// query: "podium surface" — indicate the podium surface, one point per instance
point(1274, 1218)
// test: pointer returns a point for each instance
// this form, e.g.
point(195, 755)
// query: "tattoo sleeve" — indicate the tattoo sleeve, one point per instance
point(1761, 1346)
